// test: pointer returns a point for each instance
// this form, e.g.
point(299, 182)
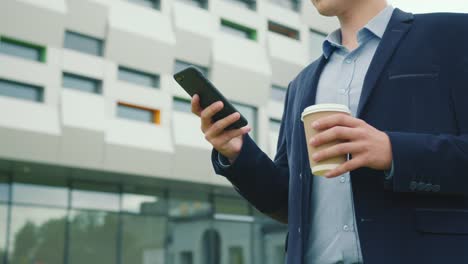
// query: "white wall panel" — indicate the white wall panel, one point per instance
point(140, 37)
point(194, 40)
point(87, 17)
point(41, 22)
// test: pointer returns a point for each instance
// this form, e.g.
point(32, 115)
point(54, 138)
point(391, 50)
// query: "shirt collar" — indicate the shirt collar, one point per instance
point(376, 26)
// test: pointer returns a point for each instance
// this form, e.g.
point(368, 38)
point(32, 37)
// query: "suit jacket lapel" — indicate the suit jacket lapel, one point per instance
point(398, 26)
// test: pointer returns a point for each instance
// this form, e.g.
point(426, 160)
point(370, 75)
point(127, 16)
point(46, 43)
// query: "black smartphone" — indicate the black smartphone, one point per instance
point(193, 82)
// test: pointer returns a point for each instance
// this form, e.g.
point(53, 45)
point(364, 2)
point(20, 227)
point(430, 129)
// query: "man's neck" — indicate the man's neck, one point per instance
point(356, 18)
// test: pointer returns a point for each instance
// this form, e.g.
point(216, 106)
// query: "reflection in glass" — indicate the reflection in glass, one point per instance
point(39, 194)
point(186, 205)
point(93, 237)
point(211, 243)
point(37, 235)
point(143, 239)
point(3, 230)
point(236, 255)
point(91, 196)
point(4, 189)
point(231, 206)
point(186, 257)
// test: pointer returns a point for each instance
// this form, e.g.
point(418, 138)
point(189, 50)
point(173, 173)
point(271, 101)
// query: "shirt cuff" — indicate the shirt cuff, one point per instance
point(389, 173)
point(223, 161)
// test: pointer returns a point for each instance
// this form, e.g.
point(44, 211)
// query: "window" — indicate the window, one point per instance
point(181, 105)
point(236, 255)
point(186, 205)
point(230, 206)
point(180, 65)
point(316, 40)
point(283, 30)
point(138, 113)
point(21, 90)
point(250, 4)
point(138, 77)
point(186, 257)
point(39, 194)
point(238, 30)
point(81, 83)
point(198, 3)
point(289, 4)
point(278, 93)
point(82, 43)
point(275, 125)
point(250, 113)
point(155, 4)
point(22, 49)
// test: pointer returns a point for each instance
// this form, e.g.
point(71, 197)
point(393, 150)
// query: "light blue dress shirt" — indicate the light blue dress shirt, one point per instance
point(333, 236)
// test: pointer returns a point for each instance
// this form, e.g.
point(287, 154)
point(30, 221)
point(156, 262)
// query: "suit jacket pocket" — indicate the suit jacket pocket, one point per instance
point(442, 221)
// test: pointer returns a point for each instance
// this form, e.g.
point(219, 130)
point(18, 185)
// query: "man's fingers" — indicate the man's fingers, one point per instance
point(229, 135)
point(336, 120)
point(348, 166)
point(208, 113)
point(337, 150)
point(196, 108)
point(335, 133)
point(219, 126)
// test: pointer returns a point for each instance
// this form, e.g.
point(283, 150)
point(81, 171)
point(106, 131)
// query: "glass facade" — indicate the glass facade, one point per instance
point(83, 43)
point(21, 91)
point(138, 77)
point(94, 222)
point(81, 83)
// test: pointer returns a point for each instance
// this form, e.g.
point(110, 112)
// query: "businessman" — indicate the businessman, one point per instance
point(402, 195)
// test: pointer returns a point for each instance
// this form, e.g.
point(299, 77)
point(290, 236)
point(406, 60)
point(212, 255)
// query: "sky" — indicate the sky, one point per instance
point(427, 6)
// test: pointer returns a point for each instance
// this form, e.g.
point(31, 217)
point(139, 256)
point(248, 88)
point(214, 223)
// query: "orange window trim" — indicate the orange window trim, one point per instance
point(156, 112)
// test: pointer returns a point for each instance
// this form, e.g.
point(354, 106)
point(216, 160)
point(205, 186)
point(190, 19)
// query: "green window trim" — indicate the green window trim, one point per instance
point(251, 32)
point(42, 50)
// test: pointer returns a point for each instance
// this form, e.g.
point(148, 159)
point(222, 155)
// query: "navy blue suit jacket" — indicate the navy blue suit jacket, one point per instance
point(416, 90)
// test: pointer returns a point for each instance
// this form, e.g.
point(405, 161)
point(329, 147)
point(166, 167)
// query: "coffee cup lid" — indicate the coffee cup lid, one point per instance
point(325, 108)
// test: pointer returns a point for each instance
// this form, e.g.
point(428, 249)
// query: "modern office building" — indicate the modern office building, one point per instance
point(101, 160)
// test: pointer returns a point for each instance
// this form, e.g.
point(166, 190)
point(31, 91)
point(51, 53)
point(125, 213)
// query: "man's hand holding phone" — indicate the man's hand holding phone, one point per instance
point(227, 142)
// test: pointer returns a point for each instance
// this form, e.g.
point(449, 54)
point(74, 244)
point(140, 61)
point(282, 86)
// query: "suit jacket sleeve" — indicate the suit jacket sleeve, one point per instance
point(263, 182)
point(437, 163)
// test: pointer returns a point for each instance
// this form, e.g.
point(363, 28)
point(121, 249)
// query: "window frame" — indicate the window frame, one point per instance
point(250, 32)
point(100, 41)
point(155, 78)
point(97, 89)
point(283, 30)
point(41, 49)
point(156, 112)
point(39, 89)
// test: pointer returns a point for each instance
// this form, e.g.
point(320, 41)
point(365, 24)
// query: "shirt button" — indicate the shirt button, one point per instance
point(348, 61)
point(299, 230)
point(300, 176)
point(346, 228)
point(342, 179)
point(342, 91)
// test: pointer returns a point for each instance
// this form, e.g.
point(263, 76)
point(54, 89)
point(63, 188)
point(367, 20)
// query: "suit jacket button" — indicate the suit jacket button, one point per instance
point(436, 188)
